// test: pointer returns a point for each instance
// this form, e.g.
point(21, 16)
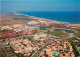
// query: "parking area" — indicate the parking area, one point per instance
point(8, 52)
point(2, 44)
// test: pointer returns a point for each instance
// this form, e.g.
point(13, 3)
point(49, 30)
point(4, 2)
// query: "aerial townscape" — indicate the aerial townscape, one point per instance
point(39, 28)
point(28, 36)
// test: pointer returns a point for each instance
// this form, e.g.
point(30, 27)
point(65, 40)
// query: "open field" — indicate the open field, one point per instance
point(9, 19)
point(11, 22)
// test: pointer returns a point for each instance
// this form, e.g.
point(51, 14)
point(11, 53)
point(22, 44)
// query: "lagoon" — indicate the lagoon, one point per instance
point(68, 31)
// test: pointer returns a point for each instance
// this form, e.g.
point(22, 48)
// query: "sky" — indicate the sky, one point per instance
point(39, 5)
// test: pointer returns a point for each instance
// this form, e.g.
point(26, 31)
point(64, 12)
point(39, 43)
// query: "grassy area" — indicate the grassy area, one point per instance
point(19, 55)
point(23, 44)
point(35, 31)
point(78, 33)
point(4, 30)
point(58, 33)
point(2, 38)
point(12, 49)
point(30, 39)
point(78, 45)
point(30, 54)
point(11, 22)
point(73, 45)
point(23, 18)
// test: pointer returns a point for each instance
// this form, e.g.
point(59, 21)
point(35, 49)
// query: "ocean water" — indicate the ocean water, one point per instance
point(71, 17)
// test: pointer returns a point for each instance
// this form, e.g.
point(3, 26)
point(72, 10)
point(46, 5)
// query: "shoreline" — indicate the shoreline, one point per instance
point(77, 25)
point(34, 18)
point(38, 18)
point(63, 21)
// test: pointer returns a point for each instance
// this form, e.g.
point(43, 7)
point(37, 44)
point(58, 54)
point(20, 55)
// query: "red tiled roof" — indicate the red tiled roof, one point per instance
point(47, 41)
point(8, 34)
point(26, 32)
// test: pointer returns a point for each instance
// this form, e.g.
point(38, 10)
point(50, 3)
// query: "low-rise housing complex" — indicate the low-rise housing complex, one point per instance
point(23, 46)
point(58, 48)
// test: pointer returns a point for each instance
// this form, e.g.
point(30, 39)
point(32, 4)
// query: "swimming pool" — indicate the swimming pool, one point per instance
point(54, 53)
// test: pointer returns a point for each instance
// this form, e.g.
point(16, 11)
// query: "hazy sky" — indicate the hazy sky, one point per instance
point(39, 5)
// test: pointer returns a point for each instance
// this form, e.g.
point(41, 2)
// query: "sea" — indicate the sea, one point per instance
point(70, 17)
